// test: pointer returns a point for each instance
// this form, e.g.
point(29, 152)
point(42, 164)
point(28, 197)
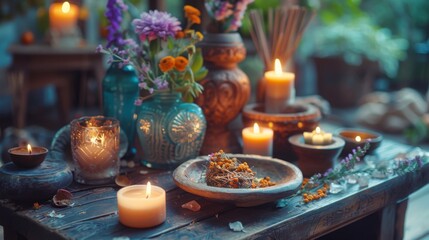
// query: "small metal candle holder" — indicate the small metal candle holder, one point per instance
point(314, 159)
point(349, 136)
point(24, 158)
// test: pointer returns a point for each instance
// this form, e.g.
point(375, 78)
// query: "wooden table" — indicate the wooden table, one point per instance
point(36, 66)
point(375, 212)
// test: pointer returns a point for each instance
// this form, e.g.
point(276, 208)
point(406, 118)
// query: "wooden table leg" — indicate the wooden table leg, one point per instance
point(392, 219)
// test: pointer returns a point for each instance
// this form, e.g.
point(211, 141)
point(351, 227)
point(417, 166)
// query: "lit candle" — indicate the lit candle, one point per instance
point(317, 137)
point(141, 206)
point(279, 89)
point(95, 149)
point(258, 140)
point(63, 16)
point(358, 139)
point(28, 156)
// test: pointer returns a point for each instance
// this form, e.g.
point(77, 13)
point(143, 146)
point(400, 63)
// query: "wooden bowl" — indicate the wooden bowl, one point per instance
point(190, 176)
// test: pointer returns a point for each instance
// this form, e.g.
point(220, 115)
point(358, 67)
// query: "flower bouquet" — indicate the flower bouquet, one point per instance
point(163, 54)
point(226, 14)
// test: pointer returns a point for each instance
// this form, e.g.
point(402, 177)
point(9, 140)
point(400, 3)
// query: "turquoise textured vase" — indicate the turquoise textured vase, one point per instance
point(120, 90)
point(170, 131)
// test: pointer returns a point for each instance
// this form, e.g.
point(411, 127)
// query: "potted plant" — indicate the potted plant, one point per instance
point(349, 51)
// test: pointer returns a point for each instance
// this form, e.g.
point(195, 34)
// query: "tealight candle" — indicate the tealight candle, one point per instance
point(258, 140)
point(27, 156)
point(63, 16)
point(279, 89)
point(141, 206)
point(358, 137)
point(317, 137)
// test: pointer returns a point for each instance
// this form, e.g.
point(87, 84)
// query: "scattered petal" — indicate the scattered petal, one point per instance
point(121, 238)
point(192, 205)
point(53, 214)
point(63, 198)
point(122, 181)
point(236, 226)
point(36, 206)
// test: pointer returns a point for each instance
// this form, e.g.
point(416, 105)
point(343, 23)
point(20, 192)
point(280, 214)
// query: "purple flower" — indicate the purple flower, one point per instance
point(114, 15)
point(99, 48)
point(138, 102)
point(160, 83)
point(156, 24)
point(329, 171)
point(143, 85)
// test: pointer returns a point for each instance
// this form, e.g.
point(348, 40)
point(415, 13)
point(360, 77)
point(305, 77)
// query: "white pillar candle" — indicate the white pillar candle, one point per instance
point(141, 206)
point(279, 89)
point(258, 140)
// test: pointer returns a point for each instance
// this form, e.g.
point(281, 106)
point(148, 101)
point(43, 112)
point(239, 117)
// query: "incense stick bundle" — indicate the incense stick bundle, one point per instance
point(279, 35)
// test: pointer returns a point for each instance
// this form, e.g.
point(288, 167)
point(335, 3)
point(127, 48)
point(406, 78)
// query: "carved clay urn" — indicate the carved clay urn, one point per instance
point(226, 90)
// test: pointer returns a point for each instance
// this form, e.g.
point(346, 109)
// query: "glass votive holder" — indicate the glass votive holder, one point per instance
point(95, 149)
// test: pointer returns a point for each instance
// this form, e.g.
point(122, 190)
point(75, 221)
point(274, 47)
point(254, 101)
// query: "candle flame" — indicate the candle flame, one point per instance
point(358, 138)
point(29, 149)
point(148, 190)
point(256, 128)
point(318, 130)
point(277, 66)
point(65, 8)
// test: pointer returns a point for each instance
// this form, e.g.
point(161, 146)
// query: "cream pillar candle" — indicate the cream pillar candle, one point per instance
point(141, 206)
point(258, 140)
point(279, 89)
point(63, 16)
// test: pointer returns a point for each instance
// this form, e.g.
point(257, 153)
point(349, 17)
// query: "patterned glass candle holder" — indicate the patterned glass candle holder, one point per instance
point(95, 149)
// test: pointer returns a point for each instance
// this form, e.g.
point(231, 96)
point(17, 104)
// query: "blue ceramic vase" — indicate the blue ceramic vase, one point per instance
point(170, 131)
point(120, 90)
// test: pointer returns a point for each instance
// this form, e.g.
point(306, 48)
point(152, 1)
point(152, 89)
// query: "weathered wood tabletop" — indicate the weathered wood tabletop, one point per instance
point(382, 205)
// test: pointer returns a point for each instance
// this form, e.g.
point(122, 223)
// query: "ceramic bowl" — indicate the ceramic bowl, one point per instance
point(20, 157)
point(313, 159)
point(349, 136)
point(189, 176)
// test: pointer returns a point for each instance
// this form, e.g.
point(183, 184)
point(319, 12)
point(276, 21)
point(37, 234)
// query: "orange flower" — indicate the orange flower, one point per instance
point(179, 34)
point(194, 19)
point(166, 63)
point(199, 35)
point(192, 14)
point(181, 63)
point(189, 10)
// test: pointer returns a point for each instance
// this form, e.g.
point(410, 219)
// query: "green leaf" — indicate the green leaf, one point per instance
point(200, 74)
point(197, 60)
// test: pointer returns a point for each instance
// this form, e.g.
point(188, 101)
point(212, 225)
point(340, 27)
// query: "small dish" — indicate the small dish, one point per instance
point(23, 159)
point(190, 176)
point(349, 135)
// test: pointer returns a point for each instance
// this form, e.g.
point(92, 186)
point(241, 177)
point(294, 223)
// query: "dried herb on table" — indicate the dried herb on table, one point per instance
point(320, 185)
point(228, 172)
